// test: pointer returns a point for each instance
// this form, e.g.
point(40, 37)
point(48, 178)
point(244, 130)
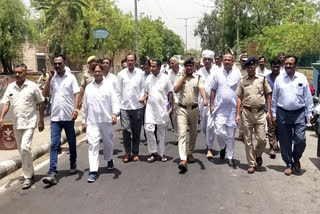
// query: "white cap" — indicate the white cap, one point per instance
point(207, 54)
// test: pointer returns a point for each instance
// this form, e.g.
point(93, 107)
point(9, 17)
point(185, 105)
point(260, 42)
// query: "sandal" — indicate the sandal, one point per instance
point(164, 159)
point(151, 158)
point(125, 158)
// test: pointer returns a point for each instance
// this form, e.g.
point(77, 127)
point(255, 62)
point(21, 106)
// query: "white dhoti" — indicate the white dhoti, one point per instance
point(24, 141)
point(151, 139)
point(95, 133)
point(225, 137)
point(207, 127)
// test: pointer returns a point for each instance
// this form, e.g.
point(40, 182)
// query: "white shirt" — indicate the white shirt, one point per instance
point(264, 72)
point(24, 102)
point(100, 102)
point(157, 87)
point(62, 90)
point(291, 94)
point(164, 68)
point(112, 80)
point(131, 88)
point(205, 76)
point(172, 77)
point(225, 103)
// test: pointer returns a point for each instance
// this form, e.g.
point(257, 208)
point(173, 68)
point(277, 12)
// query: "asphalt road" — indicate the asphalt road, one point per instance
point(141, 187)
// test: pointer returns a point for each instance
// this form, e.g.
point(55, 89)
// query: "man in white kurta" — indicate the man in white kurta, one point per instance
point(157, 89)
point(207, 125)
point(25, 98)
point(99, 113)
point(223, 105)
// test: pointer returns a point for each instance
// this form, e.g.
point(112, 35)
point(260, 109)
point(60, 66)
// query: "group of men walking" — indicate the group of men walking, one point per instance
point(222, 95)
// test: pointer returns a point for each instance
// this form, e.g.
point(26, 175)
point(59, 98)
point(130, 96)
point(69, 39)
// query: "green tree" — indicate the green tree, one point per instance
point(16, 27)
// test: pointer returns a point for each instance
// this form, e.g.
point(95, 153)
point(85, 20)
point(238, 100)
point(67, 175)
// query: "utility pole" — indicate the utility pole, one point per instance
point(137, 30)
point(186, 27)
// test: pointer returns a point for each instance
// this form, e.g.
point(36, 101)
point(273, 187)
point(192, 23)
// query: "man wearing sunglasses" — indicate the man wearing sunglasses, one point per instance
point(64, 90)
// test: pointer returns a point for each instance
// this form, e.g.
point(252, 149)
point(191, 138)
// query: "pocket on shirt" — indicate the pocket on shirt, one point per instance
point(299, 90)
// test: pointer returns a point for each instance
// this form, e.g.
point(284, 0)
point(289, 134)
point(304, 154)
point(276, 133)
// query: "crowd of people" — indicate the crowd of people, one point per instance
point(166, 96)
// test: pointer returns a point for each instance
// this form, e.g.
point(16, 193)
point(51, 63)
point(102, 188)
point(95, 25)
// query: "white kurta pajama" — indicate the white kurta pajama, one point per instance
point(224, 114)
point(157, 87)
point(207, 124)
point(99, 104)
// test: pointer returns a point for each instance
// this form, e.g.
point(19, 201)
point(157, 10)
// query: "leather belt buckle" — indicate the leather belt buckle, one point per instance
point(255, 110)
point(189, 107)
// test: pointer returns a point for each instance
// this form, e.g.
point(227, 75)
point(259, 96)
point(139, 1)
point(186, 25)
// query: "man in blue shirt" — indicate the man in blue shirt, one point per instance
point(291, 104)
point(272, 129)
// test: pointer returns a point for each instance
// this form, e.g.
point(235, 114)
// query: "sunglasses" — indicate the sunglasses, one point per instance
point(58, 63)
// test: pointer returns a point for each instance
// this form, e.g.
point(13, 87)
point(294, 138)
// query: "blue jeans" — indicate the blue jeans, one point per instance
point(291, 127)
point(56, 129)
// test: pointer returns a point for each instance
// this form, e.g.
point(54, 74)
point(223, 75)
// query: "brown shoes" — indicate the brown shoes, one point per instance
point(288, 171)
point(297, 166)
point(126, 158)
point(251, 170)
point(190, 158)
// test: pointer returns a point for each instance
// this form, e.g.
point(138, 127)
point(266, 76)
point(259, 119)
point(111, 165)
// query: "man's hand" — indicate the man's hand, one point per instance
point(211, 108)
point(41, 125)
point(74, 115)
point(274, 120)
point(51, 73)
point(238, 120)
point(170, 110)
point(114, 119)
point(184, 73)
point(1, 123)
point(84, 128)
point(205, 102)
point(309, 119)
point(269, 118)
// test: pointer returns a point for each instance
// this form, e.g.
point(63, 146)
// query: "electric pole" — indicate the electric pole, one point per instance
point(186, 28)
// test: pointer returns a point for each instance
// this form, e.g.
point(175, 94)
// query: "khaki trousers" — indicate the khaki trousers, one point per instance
point(24, 141)
point(254, 123)
point(187, 118)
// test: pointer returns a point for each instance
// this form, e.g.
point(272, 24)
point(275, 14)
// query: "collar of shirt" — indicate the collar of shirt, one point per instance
point(295, 75)
point(255, 76)
point(25, 84)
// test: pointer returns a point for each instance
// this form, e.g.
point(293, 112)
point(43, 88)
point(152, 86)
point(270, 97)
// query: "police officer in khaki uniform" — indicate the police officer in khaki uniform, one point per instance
point(243, 58)
point(188, 85)
point(87, 75)
point(252, 92)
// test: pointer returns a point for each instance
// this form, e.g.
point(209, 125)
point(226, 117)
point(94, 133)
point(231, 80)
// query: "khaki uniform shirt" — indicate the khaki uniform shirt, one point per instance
point(86, 78)
point(252, 92)
point(243, 72)
point(24, 102)
point(189, 92)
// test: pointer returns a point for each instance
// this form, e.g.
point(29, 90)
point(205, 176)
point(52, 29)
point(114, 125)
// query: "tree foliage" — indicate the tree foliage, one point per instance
point(16, 27)
point(265, 27)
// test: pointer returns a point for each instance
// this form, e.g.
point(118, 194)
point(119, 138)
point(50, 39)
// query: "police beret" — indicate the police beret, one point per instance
point(188, 60)
point(250, 61)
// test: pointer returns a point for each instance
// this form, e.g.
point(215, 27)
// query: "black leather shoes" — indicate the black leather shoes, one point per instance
point(183, 167)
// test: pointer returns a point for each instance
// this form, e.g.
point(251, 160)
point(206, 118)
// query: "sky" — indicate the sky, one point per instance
point(171, 12)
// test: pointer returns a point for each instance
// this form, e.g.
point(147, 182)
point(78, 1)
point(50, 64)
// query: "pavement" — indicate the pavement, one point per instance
point(10, 160)
point(156, 188)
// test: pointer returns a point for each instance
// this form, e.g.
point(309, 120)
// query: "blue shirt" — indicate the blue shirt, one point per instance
point(291, 94)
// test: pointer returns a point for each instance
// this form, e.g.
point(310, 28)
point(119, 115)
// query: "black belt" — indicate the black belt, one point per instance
point(291, 111)
point(254, 109)
point(188, 107)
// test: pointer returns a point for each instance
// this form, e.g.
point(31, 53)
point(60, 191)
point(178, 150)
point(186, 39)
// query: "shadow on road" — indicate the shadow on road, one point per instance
point(316, 162)
point(66, 173)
